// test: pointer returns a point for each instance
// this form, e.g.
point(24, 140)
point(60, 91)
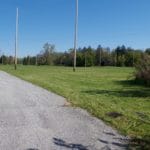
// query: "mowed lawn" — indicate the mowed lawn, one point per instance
point(99, 90)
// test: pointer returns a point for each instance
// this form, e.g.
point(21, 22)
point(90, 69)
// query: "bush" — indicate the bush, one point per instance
point(142, 73)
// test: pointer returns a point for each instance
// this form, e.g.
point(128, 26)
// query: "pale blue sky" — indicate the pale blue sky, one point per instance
point(106, 22)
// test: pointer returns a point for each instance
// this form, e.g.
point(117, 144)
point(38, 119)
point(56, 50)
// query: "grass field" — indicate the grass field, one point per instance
point(104, 92)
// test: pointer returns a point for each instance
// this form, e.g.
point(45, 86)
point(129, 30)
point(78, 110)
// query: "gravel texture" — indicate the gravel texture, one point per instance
point(32, 118)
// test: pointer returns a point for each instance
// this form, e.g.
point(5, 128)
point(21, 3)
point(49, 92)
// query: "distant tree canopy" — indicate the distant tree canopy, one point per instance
point(86, 56)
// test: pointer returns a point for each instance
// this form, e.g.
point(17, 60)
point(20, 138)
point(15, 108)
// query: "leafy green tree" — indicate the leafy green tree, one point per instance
point(28, 60)
point(5, 59)
point(33, 60)
point(48, 50)
point(80, 58)
point(98, 55)
point(10, 60)
point(129, 58)
point(142, 73)
point(137, 56)
point(147, 51)
point(106, 57)
point(25, 61)
point(46, 55)
point(89, 56)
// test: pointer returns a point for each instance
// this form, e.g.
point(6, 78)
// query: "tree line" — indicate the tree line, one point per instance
point(86, 56)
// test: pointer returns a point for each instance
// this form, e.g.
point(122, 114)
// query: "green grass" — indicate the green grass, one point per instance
point(99, 91)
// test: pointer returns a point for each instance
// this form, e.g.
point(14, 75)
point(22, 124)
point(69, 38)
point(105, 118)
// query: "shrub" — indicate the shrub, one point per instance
point(142, 73)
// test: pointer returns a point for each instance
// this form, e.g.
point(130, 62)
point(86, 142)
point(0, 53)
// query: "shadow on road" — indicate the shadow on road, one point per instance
point(62, 143)
point(129, 144)
point(121, 145)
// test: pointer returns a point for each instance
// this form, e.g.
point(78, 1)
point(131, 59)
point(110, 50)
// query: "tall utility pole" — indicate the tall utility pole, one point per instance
point(16, 39)
point(75, 36)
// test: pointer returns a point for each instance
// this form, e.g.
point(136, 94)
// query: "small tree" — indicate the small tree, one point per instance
point(143, 70)
point(147, 51)
point(48, 53)
point(46, 56)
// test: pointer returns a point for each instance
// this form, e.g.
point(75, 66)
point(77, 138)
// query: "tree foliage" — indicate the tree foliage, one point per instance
point(86, 56)
point(142, 73)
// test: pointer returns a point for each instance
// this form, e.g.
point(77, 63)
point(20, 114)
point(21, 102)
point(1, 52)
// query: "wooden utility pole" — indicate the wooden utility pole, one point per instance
point(75, 36)
point(16, 39)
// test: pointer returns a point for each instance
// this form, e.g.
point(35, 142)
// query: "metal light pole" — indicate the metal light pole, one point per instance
point(75, 36)
point(16, 39)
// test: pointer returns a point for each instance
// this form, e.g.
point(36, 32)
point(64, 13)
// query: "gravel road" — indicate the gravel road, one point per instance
point(32, 118)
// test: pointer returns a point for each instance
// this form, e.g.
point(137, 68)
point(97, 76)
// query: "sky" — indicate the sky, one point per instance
point(105, 22)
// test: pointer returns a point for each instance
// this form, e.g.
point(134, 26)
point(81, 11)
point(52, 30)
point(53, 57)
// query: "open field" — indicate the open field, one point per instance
point(99, 91)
